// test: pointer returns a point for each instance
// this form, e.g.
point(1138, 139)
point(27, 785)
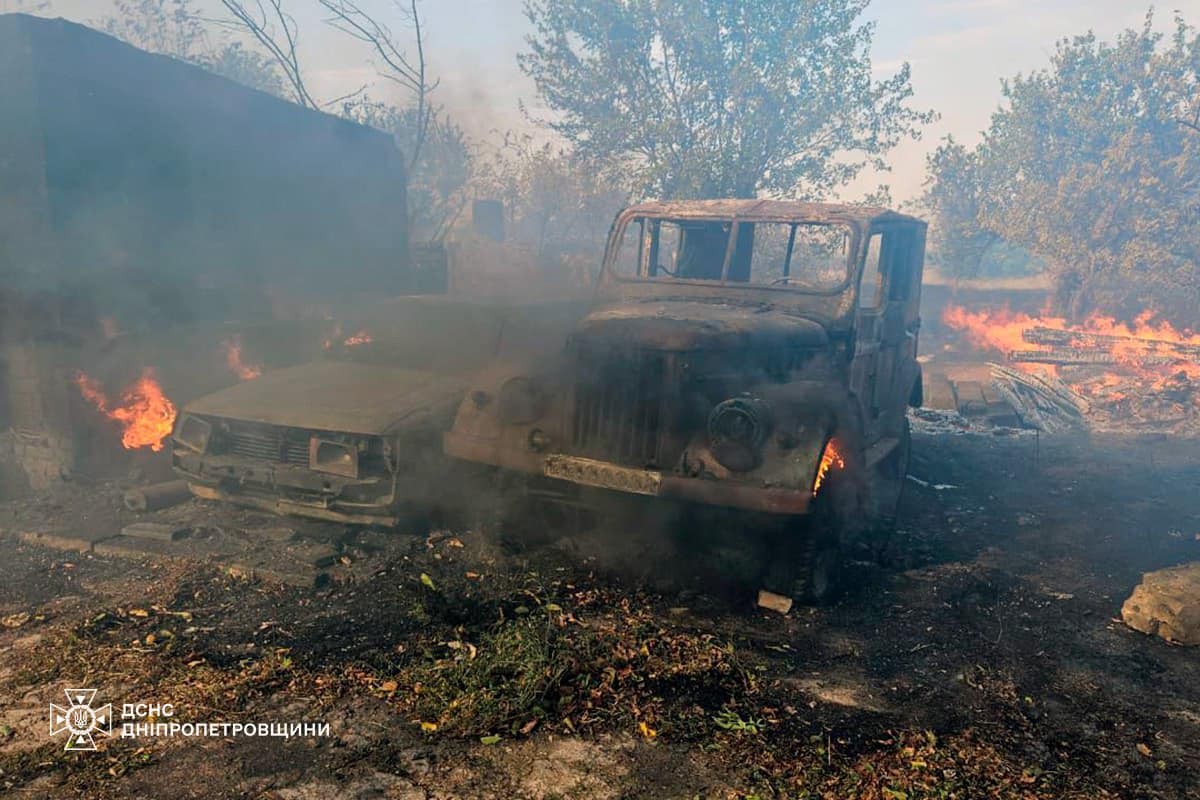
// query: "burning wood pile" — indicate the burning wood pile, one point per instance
point(1143, 374)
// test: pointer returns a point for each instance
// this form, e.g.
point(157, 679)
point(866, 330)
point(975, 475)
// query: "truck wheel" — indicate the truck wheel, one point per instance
point(819, 576)
point(890, 475)
point(806, 564)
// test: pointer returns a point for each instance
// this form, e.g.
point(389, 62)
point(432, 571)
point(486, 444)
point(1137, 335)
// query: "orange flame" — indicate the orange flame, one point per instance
point(830, 458)
point(1144, 350)
point(997, 329)
point(362, 337)
point(145, 414)
point(233, 358)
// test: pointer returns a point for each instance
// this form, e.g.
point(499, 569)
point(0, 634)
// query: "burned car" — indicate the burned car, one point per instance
point(751, 355)
point(355, 436)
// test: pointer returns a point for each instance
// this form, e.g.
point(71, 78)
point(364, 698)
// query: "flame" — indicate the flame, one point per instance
point(362, 337)
point(233, 358)
point(145, 414)
point(1145, 355)
point(830, 458)
point(997, 329)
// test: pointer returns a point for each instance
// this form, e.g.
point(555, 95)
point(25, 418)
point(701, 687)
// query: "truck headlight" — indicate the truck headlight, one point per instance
point(520, 402)
point(193, 433)
point(737, 428)
point(336, 458)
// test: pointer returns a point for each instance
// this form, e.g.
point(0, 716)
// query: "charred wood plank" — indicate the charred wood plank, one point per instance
point(1080, 340)
point(1069, 356)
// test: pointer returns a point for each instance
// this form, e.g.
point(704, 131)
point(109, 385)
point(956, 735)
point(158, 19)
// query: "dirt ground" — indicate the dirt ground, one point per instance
point(983, 659)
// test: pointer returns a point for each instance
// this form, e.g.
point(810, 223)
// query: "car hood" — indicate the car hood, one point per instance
point(335, 396)
point(683, 325)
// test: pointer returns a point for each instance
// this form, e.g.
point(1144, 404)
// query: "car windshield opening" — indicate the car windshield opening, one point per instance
point(799, 255)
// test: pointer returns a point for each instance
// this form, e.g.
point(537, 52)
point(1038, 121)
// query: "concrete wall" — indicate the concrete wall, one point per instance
point(144, 195)
point(160, 192)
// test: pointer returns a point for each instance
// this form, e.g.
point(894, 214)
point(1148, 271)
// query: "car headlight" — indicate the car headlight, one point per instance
point(336, 458)
point(193, 433)
point(737, 428)
point(520, 402)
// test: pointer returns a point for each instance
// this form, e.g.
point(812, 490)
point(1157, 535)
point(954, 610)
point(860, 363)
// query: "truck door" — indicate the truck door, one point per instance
point(885, 329)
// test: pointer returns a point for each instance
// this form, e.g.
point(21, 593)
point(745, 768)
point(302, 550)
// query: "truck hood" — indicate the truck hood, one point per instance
point(335, 396)
point(685, 325)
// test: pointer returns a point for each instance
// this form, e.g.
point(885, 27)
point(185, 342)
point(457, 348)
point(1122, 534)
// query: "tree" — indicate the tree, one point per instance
point(1094, 165)
point(954, 199)
point(436, 148)
point(552, 199)
point(407, 72)
point(276, 31)
point(173, 28)
point(704, 98)
point(437, 183)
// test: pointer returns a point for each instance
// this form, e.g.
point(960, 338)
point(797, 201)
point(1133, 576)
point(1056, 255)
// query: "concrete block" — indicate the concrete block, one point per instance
point(80, 542)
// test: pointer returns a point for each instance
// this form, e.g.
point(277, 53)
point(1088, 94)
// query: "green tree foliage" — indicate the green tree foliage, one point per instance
point(1094, 165)
point(708, 98)
point(953, 196)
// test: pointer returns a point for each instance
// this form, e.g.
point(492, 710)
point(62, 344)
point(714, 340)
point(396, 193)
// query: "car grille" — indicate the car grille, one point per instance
point(619, 408)
point(267, 443)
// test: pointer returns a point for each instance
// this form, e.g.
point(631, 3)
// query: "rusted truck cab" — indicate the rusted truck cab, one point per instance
point(745, 354)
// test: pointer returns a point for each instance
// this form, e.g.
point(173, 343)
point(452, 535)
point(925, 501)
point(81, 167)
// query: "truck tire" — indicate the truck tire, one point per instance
point(888, 482)
point(806, 558)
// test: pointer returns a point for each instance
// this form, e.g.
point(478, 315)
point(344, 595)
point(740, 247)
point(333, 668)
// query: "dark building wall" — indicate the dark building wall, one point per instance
point(143, 188)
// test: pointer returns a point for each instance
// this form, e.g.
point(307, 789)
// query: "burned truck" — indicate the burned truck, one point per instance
point(755, 356)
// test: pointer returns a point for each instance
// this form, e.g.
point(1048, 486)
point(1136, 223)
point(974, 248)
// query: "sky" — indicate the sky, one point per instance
point(959, 51)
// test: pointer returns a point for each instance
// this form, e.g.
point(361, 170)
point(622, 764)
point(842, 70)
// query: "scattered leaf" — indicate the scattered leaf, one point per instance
point(428, 581)
point(429, 727)
point(389, 686)
point(1144, 750)
point(138, 612)
point(646, 731)
point(493, 739)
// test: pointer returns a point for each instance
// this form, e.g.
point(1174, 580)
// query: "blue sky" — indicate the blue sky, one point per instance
point(959, 51)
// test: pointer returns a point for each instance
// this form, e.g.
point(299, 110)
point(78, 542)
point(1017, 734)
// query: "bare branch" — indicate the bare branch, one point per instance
point(275, 30)
point(360, 91)
point(348, 17)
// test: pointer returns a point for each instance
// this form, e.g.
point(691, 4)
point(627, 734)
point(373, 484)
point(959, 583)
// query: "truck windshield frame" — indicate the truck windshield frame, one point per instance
point(739, 265)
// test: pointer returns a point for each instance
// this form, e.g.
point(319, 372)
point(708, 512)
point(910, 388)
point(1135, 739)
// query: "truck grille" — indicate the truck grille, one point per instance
point(268, 443)
point(619, 408)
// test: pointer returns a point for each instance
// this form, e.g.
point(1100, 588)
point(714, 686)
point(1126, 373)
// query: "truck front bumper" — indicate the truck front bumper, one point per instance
point(631, 480)
point(286, 489)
